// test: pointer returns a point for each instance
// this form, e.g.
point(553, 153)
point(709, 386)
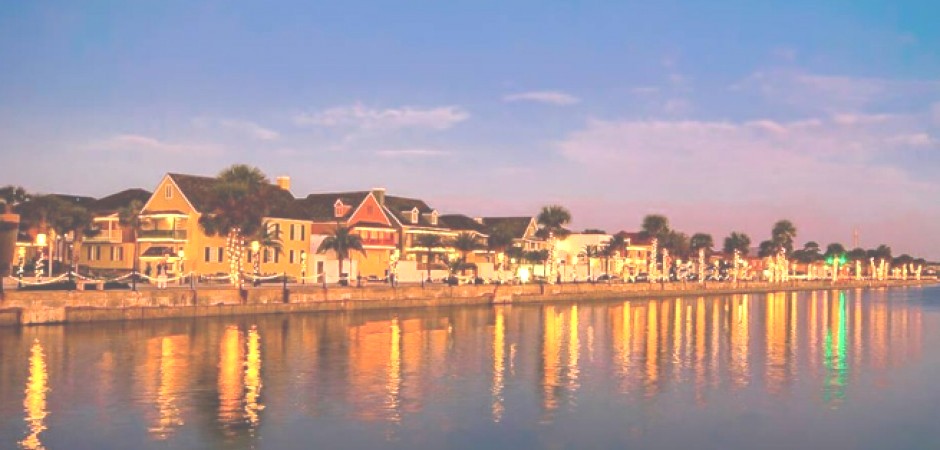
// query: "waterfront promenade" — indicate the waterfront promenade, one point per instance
point(50, 307)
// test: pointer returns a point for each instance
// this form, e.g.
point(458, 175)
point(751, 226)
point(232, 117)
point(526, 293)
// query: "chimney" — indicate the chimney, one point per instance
point(379, 194)
point(283, 182)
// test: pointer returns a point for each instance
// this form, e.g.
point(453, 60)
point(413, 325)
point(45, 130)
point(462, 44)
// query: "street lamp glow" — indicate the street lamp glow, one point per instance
point(41, 239)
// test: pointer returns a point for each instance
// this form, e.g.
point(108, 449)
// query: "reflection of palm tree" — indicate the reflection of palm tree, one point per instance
point(342, 241)
point(429, 242)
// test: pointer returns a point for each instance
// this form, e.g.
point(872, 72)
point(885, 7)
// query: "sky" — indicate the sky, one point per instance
point(722, 115)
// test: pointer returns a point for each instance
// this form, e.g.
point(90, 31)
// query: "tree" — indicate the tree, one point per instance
point(516, 253)
point(676, 242)
point(655, 226)
point(11, 197)
point(498, 241)
point(240, 200)
point(701, 241)
point(465, 242)
point(766, 248)
point(75, 220)
point(607, 252)
point(341, 242)
point(782, 235)
point(429, 242)
point(537, 257)
point(737, 241)
point(589, 252)
point(129, 218)
point(858, 254)
point(552, 220)
point(834, 249)
point(269, 237)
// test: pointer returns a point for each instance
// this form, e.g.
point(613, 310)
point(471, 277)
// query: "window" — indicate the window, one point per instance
point(97, 253)
point(338, 208)
point(168, 191)
point(292, 232)
point(112, 252)
point(120, 254)
point(414, 215)
point(267, 255)
point(303, 230)
point(208, 254)
point(291, 256)
point(276, 256)
point(221, 254)
point(88, 256)
point(433, 217)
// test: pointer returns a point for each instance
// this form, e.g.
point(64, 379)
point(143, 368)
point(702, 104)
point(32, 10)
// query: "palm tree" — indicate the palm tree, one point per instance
point(429, 242)
point(465, 242)
point(782, 235)
point(129, 218)
point(551, 221)
point(590, 251)
point(240, 200)
point(737, 241)
point(498, 241)
point(701, 241)
point(341, 241)
point(766, 248)
point(269, 237)
point(834, 249)
point(676, 242)
point(77, 221)
point(11, 197)
point(537, 257)
point(516, 253)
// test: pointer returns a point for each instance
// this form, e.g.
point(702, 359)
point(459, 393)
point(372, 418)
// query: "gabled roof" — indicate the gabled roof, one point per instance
point(460, 222)
point(516, 226)
point(398, 206)
point(320, 207)
point(112, 203)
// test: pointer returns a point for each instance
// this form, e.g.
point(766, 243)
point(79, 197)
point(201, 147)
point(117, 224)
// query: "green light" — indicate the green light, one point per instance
point(829, 261)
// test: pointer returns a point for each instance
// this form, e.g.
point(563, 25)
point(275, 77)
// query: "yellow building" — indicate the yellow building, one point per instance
point(112, 248)
point(170, 232)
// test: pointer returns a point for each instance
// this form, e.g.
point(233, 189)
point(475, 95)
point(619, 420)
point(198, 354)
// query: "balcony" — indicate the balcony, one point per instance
point(386, 242)
point(162, 235)
point(106, 236)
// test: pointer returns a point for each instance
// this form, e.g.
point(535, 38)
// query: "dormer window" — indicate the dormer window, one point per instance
point(414, 215)
point(433, 217)
point(339, 209)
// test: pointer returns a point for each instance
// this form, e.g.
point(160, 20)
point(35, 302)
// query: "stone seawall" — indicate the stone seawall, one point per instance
point(49, 307)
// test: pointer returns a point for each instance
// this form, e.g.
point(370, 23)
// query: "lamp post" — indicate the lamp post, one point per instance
point(303, 267)
point(41, 243)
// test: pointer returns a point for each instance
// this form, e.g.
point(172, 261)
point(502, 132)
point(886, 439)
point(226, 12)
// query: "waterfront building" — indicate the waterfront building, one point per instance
point(111, 248)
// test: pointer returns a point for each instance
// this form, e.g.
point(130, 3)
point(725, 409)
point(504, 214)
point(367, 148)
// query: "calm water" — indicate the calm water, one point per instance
point(829, 369)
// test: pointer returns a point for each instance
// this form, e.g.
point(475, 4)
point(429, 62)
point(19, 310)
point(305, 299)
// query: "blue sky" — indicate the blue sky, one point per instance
point(722, 115)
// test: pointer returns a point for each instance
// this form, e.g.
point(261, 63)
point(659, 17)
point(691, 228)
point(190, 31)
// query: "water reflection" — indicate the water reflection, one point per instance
point(241, 377)
point(35, 402)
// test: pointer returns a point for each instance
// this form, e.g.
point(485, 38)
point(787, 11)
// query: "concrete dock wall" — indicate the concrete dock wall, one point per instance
point(48, 307)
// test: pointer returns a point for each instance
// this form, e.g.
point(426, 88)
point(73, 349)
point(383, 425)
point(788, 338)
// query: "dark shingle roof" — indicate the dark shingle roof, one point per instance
point(114, 202)
point(319, 207)
point(198, 190)
point(516, 226)
point(460, 222)
point(79, 200)
point(398, 206)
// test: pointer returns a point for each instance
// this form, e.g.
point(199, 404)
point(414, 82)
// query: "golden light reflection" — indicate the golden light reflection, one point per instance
point(35, 402)
point(170, 379)
point(230, 377)
point(393, 375)
point(574, 349)
point(551, 357)
point(253, 378)
point(652, 349)
point(776, 339)
point(499, 367)
point(699, 348)
point(740, 340)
